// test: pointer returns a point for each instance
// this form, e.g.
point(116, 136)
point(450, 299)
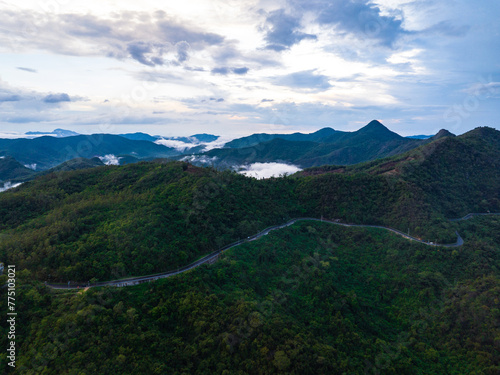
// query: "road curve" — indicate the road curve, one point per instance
point(212, 257)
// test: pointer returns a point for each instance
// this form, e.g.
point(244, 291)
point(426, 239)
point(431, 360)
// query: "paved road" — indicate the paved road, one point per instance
point(212, 257)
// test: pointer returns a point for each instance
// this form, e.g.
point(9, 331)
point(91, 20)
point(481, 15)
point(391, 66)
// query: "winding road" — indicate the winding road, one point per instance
point(212, 257)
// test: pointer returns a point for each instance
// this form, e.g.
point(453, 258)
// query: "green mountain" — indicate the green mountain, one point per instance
point(76, 164)
point(255, 139)
point(12, 170)
point(311, 298)
point(456, 174)
point(48, 152)
point(323, 147)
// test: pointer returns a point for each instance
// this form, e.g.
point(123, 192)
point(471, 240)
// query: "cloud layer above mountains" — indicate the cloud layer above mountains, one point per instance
point(284, 66)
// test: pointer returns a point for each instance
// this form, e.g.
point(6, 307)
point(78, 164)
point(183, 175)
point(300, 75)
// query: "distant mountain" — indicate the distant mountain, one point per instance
point(140, 137)
point(206, 138)
point(12, 170)
point(419, 136)
point(48, 152)
point(77, 164)
point(327, 146)
point(441, 134)
point(255, 139)
point(57, 132)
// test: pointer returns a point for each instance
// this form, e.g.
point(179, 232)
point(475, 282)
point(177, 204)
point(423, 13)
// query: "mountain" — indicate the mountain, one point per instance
point(206, 138)
point(47, 152)
point(456, 174)
point(76, 164)
point(446, 178)
point(255, 139)
point(419, 136)
point(140, 137)
point(441, 134)
point(12, 170)
point(57, 132)
point(309, 298)
point(326, 146)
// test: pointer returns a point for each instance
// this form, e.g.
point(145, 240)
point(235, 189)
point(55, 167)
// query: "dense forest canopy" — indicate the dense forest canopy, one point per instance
point(311, 298)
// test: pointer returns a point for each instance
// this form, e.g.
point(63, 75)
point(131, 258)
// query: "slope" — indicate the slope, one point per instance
point(48, 152)
point(12, 170)
point(310, 299)
point(329, 147)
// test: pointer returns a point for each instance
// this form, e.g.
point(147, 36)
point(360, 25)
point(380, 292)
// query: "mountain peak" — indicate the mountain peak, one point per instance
point(376, 128)
point(375, 125)
point(442, 133)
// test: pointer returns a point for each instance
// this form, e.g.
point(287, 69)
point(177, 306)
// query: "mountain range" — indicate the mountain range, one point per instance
point(323, 147)
point(310, 298)
point(326, 146)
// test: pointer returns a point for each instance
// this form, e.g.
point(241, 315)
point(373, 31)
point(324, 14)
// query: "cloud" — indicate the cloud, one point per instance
point(149, 38)
point(267, 170)
point(200, 159)
point(306, 79)
point(110, 159)
point(360, 18)
point(225, 70)
point(27, 69)
point(10, 98)
point(267, 100)
point(183, 51)
point(484, 90)
point(240, 71)
point(9, 185)
point(56, 98)
point(282, 31)
point(146, 53)
point(446, 28)
point(178, 145)
point(218, 100)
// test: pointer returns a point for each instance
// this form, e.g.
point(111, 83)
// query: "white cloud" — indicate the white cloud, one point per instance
point(178, 145)
point(110, 159)
point(31, 166)
point(9, 185)
point(200, 159)
point(267, 170)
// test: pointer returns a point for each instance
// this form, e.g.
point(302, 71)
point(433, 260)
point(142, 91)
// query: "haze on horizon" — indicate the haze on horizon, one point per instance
point(240, 67)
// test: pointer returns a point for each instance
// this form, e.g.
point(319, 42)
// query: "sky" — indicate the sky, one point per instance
point(234, 68)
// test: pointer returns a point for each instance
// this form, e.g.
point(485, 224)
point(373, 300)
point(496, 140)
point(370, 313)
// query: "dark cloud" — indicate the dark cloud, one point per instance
point(56, 98)
point(27, 69)
point(357, 17)
point(146, 53)
point(240, 71)
point(225, 70)
point(182, 51)
point(151, 39)
point(10, 98)
point(174, 33)
point(219, 100)
point(283, 31)
point(304, 80)
point(267, 100)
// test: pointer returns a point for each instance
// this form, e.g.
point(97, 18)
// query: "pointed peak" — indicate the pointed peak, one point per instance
point(375, 129)
point(443, 133)
point(374, 125)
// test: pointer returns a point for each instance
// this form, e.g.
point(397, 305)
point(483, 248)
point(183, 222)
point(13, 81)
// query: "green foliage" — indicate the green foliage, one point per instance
point(309, 299)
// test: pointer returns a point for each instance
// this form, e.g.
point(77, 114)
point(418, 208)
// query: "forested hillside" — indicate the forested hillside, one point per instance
point(325, 146)
point(308, 299)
